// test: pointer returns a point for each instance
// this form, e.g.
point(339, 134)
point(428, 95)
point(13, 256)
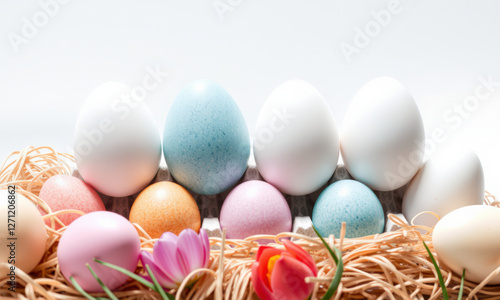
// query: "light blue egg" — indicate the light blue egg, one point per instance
point(351, 202)
point(205, 141)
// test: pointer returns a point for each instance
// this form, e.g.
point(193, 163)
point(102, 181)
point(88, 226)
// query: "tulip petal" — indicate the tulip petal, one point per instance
point(259, 286)
point(166, 256)
point(190, 248)
point(260, 250)
point(169, 236)
point(300, 254)
point(206, 247)
point(264, 257)
point(147, 259)
point(288, 279)
point(183, 262)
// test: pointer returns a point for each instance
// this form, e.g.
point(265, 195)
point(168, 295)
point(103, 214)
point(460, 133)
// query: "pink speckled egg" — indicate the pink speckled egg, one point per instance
point(67, 192)
point(106, 236)
point(255, 207)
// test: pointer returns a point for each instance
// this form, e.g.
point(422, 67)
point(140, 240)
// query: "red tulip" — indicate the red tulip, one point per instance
point(280, 274)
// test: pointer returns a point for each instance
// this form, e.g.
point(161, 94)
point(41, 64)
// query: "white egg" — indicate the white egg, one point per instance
point(296, 143)
point(382, 138)
point(117, 143)
point(468, 238)
point(450, 179)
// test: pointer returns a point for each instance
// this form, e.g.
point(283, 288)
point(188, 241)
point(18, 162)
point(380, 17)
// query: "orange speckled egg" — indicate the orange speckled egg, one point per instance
point(165, 206)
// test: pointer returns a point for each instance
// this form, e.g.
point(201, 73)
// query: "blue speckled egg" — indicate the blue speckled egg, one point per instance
point(352, 202)
point(206, 141)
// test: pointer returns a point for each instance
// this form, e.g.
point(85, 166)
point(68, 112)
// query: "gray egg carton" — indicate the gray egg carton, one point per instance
point(301, 206)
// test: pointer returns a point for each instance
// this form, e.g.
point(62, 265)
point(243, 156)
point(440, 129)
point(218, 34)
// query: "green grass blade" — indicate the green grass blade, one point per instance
point(326, 245)
point(128, 273)
point(460, 293)
point(103, 286)
point(159, 288)
point(80, 289)
point(337, 257)
point(337, 278)
point(438, 271)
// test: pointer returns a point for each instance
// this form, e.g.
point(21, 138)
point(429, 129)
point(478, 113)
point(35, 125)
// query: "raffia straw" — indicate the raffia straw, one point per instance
point(392, 265)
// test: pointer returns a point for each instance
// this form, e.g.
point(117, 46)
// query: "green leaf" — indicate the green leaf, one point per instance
point(103, 286)
point(159, 288)
point(337, 257)
point(461, 286)
point(326, 245)
point(80, 289)
point(128, 273)
point(438, 271)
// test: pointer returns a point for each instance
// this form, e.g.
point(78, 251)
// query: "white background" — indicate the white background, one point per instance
point(437, 49)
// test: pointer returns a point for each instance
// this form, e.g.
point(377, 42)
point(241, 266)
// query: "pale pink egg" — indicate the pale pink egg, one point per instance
point(67, 192)
point(255, 207)
point(106, 236)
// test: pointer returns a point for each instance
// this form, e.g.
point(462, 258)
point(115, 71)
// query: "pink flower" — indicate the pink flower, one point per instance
point(174, 257)
point(280, 274)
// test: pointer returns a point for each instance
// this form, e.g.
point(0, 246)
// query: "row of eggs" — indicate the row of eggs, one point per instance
point(296, 144)
point(206, 143)
point(251, 208)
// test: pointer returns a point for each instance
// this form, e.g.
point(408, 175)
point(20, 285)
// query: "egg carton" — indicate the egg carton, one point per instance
point(301, 206)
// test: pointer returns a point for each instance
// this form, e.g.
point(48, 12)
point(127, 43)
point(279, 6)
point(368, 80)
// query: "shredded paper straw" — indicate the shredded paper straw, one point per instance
point(392, 265)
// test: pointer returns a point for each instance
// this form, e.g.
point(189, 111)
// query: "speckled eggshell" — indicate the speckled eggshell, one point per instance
point(351, 202)
point(103, 235)
point(255, 207)
point(206, 141)
point(67, 192)
point(165, 206)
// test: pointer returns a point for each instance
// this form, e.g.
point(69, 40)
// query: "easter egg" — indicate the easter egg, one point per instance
point(67, 192)
point(450, 179)
point(352, 202)
point(255, 207)
point(22, 221)
point(296, 143)
point(467, 238)
point(165, 206)
point(106, 236)
point(382, 137)
point(117, 143)
point(205, 141)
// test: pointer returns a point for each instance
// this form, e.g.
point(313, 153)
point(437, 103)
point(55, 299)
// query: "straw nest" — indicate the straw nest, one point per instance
point(392, 265)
